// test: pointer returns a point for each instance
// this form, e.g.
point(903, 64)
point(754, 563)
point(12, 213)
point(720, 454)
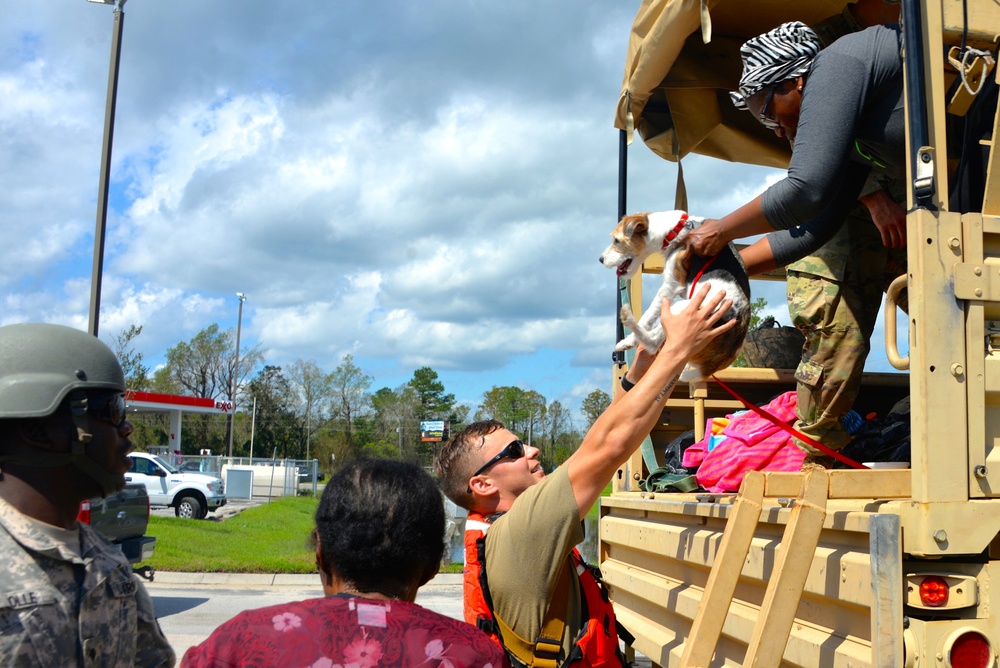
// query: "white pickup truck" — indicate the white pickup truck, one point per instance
point(192, 495)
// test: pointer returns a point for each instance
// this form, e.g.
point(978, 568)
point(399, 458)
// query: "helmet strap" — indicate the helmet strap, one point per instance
point(78, 408)
point(106, 480)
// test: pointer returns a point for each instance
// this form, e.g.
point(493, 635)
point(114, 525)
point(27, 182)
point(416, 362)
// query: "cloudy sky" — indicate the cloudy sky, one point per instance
point(413, 183)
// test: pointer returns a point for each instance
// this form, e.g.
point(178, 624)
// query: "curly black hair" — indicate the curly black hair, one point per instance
point(380, 524)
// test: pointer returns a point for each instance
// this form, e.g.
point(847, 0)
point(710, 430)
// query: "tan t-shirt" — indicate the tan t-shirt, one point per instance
point(525, 549)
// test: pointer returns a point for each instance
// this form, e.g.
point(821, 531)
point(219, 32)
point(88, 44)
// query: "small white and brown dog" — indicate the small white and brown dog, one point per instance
point(640, 235)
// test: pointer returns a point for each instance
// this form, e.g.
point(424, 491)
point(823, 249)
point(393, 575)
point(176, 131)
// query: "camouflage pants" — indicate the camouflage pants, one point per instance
point(833, 299)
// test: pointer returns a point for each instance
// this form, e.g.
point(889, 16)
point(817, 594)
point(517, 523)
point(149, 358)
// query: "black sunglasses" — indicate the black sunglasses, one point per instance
point(513, 450)
point(110, 408)
point(768, 121)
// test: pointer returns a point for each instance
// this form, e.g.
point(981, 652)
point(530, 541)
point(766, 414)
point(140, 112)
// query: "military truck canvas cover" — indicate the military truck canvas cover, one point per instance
point(676, 87)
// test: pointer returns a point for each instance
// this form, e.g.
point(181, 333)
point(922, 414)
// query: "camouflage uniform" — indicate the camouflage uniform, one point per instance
point(59, 610)
point(834, 298)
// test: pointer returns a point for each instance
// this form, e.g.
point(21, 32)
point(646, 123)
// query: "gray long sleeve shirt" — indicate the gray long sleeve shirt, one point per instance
point(851, 121)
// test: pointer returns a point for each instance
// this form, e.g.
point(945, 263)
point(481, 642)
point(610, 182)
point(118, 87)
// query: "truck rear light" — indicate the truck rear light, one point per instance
point(941, 591)
point(84, 515)
point(970, 650)
point(934, 591)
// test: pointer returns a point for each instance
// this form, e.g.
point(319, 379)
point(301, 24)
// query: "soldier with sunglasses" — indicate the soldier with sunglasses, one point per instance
point(525, 583)
point(68, 596)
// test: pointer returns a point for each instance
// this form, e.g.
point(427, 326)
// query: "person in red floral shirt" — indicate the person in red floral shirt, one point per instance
point(380, 536)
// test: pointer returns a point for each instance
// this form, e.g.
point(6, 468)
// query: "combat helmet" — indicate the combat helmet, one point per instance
point(40, 366)
point(41, 363)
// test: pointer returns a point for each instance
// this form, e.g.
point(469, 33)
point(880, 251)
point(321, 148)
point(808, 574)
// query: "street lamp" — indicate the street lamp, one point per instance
point(102, 190)
point(236, 370)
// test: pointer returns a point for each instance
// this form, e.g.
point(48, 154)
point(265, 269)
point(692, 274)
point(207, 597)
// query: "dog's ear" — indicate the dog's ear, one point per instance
point(636, 226)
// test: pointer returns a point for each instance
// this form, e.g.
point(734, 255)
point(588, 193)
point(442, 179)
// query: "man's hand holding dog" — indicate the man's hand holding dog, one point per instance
point(690, 330)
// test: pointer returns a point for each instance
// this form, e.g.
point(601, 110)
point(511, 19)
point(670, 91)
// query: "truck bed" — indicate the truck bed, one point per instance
point(658, 551)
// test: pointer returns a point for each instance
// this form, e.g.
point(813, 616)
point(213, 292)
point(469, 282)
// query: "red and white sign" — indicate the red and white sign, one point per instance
point(154, 401)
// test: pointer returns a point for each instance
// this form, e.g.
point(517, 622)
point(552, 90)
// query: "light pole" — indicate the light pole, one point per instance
point(102, 190)
point(236, 373)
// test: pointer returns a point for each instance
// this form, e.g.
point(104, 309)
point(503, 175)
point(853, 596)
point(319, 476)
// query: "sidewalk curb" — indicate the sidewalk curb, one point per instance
point(269, 580)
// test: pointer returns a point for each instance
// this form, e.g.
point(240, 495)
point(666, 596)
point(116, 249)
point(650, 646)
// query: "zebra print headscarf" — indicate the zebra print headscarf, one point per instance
point(783, 53)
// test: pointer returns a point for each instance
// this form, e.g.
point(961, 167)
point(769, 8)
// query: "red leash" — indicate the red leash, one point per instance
point(757, 409)
point(697, 277)
point(793, 432)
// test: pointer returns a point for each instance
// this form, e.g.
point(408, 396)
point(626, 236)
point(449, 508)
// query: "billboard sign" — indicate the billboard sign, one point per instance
point(433, 431)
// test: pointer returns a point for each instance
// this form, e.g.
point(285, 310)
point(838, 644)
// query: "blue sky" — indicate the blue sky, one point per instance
point(425, 185)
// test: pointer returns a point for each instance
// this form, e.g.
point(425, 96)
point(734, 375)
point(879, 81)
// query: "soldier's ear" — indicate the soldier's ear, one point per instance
point(35, 432)
point(50, 433)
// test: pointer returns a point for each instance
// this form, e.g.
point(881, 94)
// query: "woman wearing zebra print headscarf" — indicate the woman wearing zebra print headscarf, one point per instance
point(842, 109)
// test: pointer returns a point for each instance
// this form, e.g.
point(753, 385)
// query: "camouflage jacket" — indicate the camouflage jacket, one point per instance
point(57, 609)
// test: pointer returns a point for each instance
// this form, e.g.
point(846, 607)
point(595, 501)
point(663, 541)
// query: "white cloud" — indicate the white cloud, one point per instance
point(415, 185)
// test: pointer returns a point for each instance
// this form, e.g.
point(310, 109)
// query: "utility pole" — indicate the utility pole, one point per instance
point(97, 273)
point(236, 373)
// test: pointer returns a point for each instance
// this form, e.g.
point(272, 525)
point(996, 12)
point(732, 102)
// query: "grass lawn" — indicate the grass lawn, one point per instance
point(594, 513)
point(271, 538)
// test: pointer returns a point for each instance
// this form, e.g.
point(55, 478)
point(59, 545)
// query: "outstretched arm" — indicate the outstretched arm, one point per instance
point(621, 428)
point(711, 236)
point(640, 365)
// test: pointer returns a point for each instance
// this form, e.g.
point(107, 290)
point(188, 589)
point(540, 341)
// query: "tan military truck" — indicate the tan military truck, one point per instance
point(848, 568)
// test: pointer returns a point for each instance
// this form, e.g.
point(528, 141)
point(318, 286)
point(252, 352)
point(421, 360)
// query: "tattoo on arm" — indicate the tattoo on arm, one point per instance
point(665, 391)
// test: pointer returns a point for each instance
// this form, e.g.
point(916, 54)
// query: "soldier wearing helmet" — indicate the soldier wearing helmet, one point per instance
point(68, 596)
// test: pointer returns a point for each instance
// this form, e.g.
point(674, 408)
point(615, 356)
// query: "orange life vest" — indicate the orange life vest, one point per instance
point(597, 643)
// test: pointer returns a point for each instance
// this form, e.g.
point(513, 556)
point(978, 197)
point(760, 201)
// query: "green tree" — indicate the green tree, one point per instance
point(567, 443)
point(757, 306)
point(397, 414)
point(557, 420)
point(536, 416)
point(313, 388)
point(594, 404)
point(204, 367)
point(521, 411)
point(136, 373)
point(434, 403)
point(277, 426)
point(350, 399)
point(149, 428)
point(459, 417)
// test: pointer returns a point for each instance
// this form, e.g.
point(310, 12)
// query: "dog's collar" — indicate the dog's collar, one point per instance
point(674, 232)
